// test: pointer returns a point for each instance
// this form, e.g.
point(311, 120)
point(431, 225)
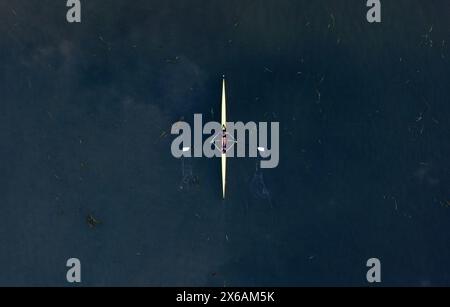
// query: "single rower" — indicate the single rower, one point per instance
point(224, 139)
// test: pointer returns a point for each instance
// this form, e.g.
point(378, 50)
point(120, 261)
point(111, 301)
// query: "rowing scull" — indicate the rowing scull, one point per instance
point(224, 136)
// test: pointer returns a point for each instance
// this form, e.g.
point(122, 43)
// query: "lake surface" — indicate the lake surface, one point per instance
point(85, 117)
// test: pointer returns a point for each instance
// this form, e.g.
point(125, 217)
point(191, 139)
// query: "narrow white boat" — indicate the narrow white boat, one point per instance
point(224, 137)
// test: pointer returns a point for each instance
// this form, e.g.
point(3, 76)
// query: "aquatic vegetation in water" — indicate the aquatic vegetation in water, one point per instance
point(92, 221)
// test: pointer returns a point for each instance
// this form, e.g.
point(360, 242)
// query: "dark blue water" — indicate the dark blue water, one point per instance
point(85, 112)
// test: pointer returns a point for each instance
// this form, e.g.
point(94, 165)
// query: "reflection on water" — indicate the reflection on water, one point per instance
point(188, 179)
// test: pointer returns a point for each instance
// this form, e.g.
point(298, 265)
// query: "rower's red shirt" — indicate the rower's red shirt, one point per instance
point(224, 142)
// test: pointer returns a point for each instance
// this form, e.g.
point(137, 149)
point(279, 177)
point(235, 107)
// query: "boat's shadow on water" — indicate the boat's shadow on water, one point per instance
point(189, 180)
point(259, 193)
